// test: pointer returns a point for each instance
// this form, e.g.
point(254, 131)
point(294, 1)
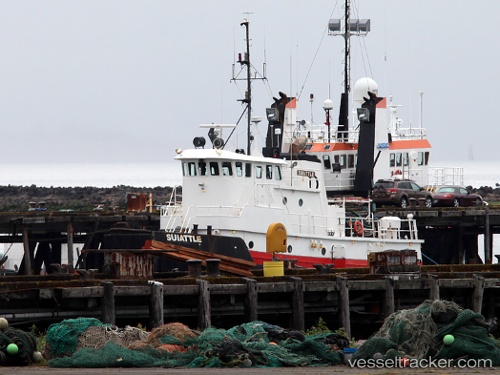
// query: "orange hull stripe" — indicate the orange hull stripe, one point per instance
point(410, 143)
point(320, 147)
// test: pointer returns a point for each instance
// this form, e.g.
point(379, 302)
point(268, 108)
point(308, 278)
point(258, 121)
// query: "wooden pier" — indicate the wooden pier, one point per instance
point(353, 299)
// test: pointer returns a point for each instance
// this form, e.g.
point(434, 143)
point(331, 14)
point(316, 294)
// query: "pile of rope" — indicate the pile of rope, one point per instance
point(89, 343)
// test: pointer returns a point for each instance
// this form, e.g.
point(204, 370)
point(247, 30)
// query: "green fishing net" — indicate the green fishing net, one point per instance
point(254, 344)
point(418, 333)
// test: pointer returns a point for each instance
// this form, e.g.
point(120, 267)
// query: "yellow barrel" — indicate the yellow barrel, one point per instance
point(275, 268)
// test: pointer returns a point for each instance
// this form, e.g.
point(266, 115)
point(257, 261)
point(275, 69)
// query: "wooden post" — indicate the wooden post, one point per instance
point(345, 319)
point(204, 310)
point(156, 305)
point(298, 304)
point(389, 296)
point(461, 248)
point(251, 300)
point(488, 253)
point(477, 295)
point(108, 304)
point(434, 287)
point(70, 246)
point(28, 264)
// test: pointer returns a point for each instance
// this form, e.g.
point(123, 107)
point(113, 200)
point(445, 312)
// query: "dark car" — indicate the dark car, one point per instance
point(456, 196)
point(399, 193)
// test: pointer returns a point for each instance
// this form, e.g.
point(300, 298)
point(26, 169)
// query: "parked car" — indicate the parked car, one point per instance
point(399, 193)
point(456, 196)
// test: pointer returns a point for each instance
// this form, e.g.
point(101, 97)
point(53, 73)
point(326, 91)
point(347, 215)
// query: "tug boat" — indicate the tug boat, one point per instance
point(231, 194)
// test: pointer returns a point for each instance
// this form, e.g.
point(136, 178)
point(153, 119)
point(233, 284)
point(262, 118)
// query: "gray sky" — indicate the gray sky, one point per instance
point(106, 81)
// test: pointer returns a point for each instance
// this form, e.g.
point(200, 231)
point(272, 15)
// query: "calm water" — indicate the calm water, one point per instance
point(98, 175)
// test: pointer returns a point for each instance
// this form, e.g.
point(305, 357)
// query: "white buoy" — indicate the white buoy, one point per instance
point(4, 323)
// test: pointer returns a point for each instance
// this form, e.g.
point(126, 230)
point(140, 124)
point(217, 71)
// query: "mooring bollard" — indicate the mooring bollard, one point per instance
point(194, 267)
point(213, 267)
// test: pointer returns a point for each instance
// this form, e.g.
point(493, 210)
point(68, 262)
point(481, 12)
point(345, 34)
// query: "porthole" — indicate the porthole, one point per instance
point(285, 200)
point(323, 251)
point(301, 202)
point(250, 245)
point(289, 248)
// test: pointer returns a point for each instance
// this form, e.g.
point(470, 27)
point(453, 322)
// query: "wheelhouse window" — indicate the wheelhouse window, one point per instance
point(269, 172)
point(405, 159)
point(189, 168)
point(392, 160)
point(350, 161)
point(343, 161)
point(248, 170)
point(214, 168)
point(399, 161)
point(277, 172)
point(239, 168)
point(202, 168)
point(426, 160)
point(420, 158)
point(227, 168)
point(326, 162)
point(258, 171)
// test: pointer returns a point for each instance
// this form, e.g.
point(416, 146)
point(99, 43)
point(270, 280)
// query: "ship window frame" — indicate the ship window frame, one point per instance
point(214, 168)
point(248, 169)
point(239, 168)
point(327, 164)
point(406, 159)
point(343, 161)
point(399, 159)
point(350, 161)
point(327, 147)
point(277, 173)
point(269, 171)
point(202, 168)
point(392, 159)
point(258, 171)
point(227, 168)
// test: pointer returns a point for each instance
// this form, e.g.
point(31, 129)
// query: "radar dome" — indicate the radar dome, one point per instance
point(362, 87)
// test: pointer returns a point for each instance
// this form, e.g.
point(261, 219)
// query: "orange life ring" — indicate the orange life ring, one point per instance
point(358, 227)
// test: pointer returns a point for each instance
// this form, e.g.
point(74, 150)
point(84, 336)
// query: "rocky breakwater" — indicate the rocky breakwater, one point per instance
point(22, 198)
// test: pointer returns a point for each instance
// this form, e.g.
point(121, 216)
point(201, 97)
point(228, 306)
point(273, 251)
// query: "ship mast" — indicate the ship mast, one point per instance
point(248, 93)
point(351, 27)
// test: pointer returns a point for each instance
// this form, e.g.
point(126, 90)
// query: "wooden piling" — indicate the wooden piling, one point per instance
point(251, 300)
point(156, 304)
point(488, 252)
point(477, 295)
point(345, 319)
point(389, 296)
point(204, 310)
point(70, 231)
point(28, 265)
point(433, 287)
point(108, 315)
point(298, 304)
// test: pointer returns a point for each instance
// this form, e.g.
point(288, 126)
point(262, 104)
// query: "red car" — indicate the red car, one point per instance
point(456, 196)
